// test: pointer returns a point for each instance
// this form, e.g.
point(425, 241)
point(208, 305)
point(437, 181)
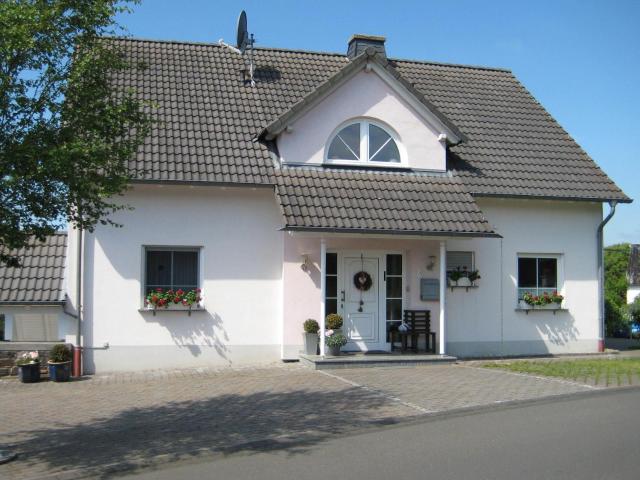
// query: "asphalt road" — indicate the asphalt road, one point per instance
point(584, 437)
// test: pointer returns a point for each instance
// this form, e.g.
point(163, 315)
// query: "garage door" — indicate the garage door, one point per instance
point(35, 327)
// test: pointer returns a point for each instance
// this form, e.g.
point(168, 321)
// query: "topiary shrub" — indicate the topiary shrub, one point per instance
point(333, 321)
point(336, 340)
point(60, 353)
point(311, 326)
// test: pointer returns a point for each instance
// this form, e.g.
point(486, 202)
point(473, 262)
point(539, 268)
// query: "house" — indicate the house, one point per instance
point(633, 274)
point(32, 296)
point(276, 198)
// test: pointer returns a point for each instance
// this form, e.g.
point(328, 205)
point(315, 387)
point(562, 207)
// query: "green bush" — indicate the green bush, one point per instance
point(60, 353)
point(336, 340)
point(616, 263)
point(333, 321)
point(311, 326)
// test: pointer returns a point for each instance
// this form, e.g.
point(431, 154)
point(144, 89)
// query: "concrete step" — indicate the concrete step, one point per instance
point(353, 360)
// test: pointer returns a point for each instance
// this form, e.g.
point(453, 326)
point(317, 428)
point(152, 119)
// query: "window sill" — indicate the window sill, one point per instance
point(173, 308)
point(466, 287)
point(538, 309)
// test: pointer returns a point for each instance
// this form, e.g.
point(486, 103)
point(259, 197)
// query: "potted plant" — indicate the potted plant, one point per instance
point(545, 301)
point(335, 341)
point(455, 276)
point(464, 280)
point(28, 367)
point(173, 300)
point(310, 336)
point(59, 363)
point(473, 276)
point(333, 322)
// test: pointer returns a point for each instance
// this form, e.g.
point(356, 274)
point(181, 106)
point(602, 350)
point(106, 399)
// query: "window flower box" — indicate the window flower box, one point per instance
point(546, 301)
point(170, 300)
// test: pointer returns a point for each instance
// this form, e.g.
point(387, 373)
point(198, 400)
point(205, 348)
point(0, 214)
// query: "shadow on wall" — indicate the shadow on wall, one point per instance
point(201, 328)
point(252, 423)
point(559, 330)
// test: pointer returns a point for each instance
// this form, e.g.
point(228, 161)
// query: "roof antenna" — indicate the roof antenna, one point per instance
point(244, 42)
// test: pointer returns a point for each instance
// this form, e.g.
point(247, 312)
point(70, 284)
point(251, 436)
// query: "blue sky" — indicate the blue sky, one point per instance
point(580, 58)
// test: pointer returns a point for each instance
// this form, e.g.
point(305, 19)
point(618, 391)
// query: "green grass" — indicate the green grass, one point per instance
point(601, 371)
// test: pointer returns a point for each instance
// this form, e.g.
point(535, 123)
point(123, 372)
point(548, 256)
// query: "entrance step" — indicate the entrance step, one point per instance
point(353, 360)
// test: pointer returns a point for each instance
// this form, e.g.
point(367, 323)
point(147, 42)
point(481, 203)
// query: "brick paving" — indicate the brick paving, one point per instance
point(111, 423)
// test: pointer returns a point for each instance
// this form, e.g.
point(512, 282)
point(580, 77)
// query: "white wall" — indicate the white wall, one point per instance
point(241, 260)
point(365, 95)
point(485, 321)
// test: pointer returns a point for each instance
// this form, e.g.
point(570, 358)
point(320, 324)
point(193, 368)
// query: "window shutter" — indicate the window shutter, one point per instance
point(460, 260)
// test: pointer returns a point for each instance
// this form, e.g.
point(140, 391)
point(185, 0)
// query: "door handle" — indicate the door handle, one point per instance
point(342, 296)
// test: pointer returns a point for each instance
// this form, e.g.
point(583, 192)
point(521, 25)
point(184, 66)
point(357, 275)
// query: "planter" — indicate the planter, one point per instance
point(59, 372)
point(463, 282)
point(310, 343)
point(550, 306)
point(333, 350)
point(29, 373)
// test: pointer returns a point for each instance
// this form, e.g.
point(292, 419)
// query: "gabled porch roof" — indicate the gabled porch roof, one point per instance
point(378, 202)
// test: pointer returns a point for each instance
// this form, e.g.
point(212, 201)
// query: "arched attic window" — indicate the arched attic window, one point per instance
point(364, 141)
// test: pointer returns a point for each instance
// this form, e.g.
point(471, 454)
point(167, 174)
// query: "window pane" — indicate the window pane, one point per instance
point(394, 287)
point(332, 263)
point(331, 306)
point(394, 309)
point(394, 264)
point(527, 273)
point(185, 269)
point(382, 148)
point(332, 286)
point(377, 138)
point(159, 268)
point(392, 326)
point(547, 273)
point(389, 153)
point(346, 144)
point(461, 260)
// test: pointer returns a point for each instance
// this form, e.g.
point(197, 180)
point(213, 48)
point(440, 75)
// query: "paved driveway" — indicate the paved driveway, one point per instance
point(107, 424)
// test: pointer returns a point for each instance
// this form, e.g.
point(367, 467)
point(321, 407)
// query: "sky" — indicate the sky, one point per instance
point(579, 58)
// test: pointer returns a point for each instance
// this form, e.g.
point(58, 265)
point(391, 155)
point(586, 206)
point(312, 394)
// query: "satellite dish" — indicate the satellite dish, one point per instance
point(242, 39)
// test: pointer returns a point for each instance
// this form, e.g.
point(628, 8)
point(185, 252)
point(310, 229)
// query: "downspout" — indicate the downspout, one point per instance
point(600, 246)
point(77, 351)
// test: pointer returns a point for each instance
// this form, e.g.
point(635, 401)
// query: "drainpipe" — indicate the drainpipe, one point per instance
point(601, 331)
point(442, 347)
point(77, 351)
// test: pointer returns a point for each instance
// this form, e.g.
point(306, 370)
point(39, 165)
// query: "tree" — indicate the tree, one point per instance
point(65, 134)
point(616, 263)
point(634, 313)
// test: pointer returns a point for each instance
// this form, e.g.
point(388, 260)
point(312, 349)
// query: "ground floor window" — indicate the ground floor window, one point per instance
point(1, 326)
point(171, 268)
point(537, 275)
point(394, 289)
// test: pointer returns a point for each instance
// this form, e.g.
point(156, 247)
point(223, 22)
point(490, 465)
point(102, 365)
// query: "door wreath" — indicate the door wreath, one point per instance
point(362, 281)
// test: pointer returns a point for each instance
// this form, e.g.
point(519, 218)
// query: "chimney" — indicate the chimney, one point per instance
point(359, 43)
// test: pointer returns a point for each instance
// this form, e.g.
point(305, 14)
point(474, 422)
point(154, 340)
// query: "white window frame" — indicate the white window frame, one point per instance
point(174, 248)
point(364, 145)
point(559, 273)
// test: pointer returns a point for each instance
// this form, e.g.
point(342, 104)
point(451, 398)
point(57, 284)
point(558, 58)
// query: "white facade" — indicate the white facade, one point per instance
point(241, 268)
point(632, 293)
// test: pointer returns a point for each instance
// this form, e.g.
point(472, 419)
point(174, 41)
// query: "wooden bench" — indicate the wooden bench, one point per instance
point(419, 322)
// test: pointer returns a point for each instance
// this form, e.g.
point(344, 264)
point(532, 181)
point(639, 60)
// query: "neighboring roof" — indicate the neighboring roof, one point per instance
point(208, 116)
point(40, 279)
point(368, 57)
point(377, 202)
point(633, 272)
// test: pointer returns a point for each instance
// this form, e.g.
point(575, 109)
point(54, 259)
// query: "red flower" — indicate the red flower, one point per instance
point(184, 302)
point(198, 290)
point(176, 300)
point(180, 292)
point(154, 299)
point(159, 290)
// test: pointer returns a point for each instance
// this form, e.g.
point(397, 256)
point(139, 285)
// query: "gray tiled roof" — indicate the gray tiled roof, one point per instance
point(209, 116)
point(382, 202)
point(40, 279)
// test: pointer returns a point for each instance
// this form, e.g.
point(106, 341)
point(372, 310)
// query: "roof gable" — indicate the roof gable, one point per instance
point(369, 61)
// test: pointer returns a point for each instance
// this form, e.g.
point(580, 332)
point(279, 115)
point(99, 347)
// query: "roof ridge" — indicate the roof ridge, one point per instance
point(310, 52)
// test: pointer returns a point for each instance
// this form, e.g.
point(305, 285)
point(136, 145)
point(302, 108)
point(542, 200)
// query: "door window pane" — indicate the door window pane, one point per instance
point(332, 286)
point(331, 306)
point(332, 263)
point(394, 309)
point(394, 264)
point(394, 287)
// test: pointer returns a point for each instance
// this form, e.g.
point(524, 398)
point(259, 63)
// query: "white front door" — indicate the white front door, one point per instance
point(363, 324)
